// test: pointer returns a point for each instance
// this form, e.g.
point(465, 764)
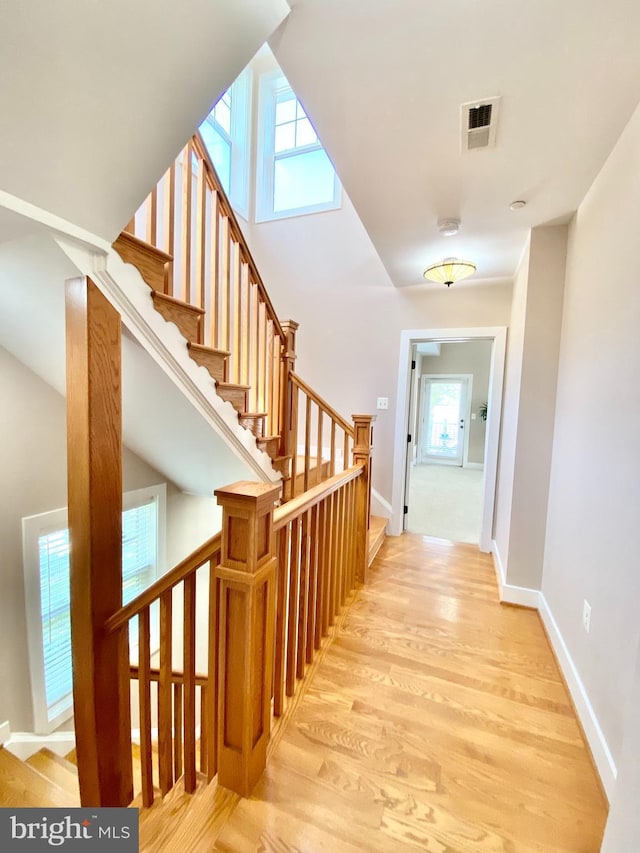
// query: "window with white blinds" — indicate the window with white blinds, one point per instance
point(46, 553)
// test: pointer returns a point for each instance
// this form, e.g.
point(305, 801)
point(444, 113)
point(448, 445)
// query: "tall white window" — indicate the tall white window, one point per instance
point(46, 561)
point(225, 132)
point(294, 175)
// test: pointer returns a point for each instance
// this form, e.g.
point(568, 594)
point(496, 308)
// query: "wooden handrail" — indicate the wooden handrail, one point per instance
point(296, 507)
point(177, 676)
point(186, 567)
point(317, 399)
point(202, 152)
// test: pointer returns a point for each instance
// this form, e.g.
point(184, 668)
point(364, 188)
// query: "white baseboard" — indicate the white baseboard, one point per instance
point(379, 506)
point(5, 732)
point(24, 744)
point(509, 593)
point(595, 737)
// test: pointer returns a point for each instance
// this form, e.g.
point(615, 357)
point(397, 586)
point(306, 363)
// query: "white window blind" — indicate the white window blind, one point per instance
point(46, 552)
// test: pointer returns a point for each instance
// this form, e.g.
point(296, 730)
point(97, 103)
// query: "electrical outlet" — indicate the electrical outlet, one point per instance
point(383, 403)
point(586, 616)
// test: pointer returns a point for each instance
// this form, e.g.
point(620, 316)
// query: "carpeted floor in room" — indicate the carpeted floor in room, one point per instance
point(445, 501)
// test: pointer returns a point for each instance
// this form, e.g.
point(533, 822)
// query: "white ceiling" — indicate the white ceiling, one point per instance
point(383, 81)
point(98, 96)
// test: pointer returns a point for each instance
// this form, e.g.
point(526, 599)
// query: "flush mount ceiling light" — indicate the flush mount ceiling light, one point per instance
point(449, 270)
point(448, 227)
point(518, 204)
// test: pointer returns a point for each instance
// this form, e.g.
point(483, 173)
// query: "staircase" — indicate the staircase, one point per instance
point(45, 779)
point(254, 604)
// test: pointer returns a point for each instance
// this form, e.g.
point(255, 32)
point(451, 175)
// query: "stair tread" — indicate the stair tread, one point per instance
point(23, 786)
point(60, 771)
point(172, 300)
point(253, 414)
point(142, 244)
point(377, 534)
point(208, 350)
point(232, 386)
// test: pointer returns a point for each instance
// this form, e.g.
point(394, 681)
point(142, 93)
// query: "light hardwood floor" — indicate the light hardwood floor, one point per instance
point(437, 721)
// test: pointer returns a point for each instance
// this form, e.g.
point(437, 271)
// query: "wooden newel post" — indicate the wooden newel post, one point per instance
point(288, 441)
point(362, 447)
point(247, 612)
point(94, 464)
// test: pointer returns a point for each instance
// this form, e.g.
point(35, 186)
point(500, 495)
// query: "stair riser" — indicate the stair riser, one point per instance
point(254, 425)
point(150, 263)
point(214, 362)
point(188, 322)
point(238, 399)
point(270, 446)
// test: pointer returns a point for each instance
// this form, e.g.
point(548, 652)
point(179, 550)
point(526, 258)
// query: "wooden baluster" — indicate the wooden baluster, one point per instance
point(190, 684)
point(144, 702)
point(214, 273)
point(262, 344)
point(319, 445)
point(152, 217)
point(269, 379)
point(294, 439)
point(130, 227)
point(294, 594)
point(201, 236)
point(101, 684)
point(276, 425)
point(169, 212)
point(351, 537)
point(302, 597)
point(212, 667)
point(185, 240)
point(340, 551)
point(312, 598)
point(225, 284)
point(244, 325)
point(288, 358)
point(253, 347)
point(307, 445)
point(345, 452)
point(284, 540)
point(204, 730)
point(333, 557)
point(237, 345)
point(362, 452)
point(165, 738)
point(178, 744)
point(247, 579)
point(332, 461)
point(322, 570)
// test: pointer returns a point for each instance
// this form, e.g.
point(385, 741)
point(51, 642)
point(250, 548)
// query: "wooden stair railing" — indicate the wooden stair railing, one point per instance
point(277, 579)
point(189, 248)
point(172, 605)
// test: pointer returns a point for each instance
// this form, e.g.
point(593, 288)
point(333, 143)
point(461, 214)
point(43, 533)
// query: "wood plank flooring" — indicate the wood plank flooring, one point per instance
point(436, 721)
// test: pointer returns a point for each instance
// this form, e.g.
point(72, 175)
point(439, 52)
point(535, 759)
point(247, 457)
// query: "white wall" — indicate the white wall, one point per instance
point(323, 271)
point(529, 406)
point(468, 357)
point(593, 530)
point(33, 465)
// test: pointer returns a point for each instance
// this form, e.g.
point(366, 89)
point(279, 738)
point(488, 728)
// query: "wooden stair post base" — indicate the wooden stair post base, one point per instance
point(362, 446)
point(247, 612)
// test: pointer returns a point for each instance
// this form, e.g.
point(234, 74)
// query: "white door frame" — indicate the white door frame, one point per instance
point(465, 414)
point(409, 337)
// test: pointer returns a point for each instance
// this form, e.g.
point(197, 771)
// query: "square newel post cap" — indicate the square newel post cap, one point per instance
point(247, 531)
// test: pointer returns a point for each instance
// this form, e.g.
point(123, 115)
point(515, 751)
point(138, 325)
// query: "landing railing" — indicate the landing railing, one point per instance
point(225, 637)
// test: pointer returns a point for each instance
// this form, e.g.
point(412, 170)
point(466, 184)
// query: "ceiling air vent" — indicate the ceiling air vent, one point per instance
point(478, 122)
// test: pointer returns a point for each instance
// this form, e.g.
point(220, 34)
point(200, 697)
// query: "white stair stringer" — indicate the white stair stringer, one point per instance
point(125, 288)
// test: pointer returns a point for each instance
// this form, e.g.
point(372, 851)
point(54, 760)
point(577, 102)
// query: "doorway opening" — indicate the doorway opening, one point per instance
point(447, 428)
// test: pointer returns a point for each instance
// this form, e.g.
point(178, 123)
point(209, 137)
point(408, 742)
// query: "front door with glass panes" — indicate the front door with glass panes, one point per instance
point(443, 405)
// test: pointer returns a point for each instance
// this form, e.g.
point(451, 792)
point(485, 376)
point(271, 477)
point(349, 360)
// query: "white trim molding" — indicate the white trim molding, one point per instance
point(5, 732)
point(595, 737)
point(380, 506)
point(24, 744)
point(408, 337)
point(535, 599)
